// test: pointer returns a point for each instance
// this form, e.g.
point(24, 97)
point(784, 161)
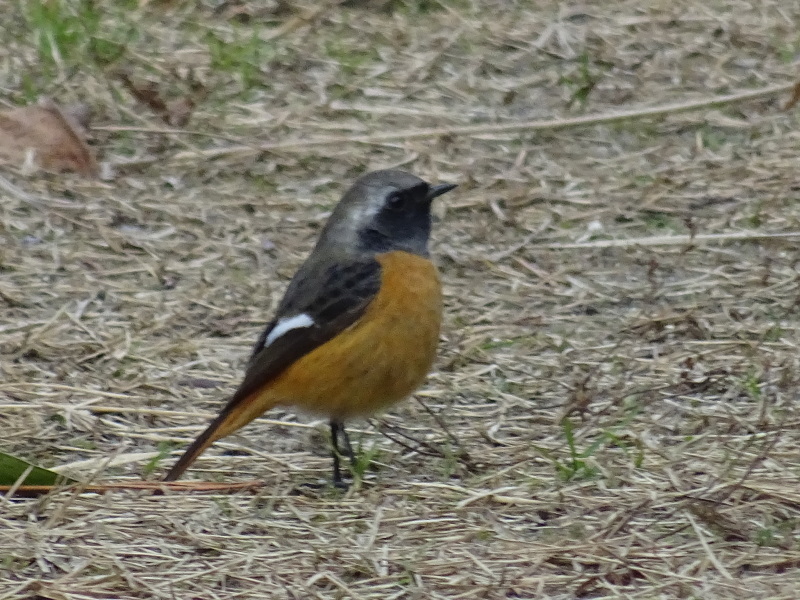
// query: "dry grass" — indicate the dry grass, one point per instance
point(127, 307)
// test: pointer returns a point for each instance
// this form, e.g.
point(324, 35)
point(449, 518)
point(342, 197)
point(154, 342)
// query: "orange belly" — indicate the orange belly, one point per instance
point(380, 359)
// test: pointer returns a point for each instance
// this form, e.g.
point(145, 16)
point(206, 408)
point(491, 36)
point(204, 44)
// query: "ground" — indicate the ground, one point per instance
point(613, 413)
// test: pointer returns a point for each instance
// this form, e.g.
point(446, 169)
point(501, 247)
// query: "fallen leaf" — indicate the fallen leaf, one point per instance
point(175, 113)
point(146, 93)
point(46, 136)
point(795, 97)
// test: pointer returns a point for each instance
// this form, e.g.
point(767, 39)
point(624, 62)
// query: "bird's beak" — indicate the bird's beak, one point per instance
point(438, 190)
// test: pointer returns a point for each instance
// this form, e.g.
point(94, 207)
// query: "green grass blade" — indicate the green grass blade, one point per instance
point(12, 468)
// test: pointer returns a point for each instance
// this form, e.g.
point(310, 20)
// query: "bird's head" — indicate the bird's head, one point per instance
point(384, 211)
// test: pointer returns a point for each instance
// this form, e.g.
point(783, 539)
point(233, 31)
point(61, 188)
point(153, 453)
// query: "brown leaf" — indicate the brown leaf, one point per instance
point(47, 136)
point(795, 97)
point(146, 93)
point(175, 113)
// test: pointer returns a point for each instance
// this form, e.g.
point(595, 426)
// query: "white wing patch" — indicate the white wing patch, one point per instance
point(287, 324)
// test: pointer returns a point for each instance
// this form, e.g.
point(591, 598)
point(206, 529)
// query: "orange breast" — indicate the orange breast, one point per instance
point(380, 359)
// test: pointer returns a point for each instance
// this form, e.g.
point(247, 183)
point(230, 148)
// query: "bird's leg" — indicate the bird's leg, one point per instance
point(336, 427)
point(347, 446)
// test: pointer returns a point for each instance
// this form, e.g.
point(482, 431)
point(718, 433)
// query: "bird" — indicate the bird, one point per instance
point(357, 329)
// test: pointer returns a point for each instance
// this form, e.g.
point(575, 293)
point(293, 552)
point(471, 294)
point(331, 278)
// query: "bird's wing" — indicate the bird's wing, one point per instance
point(319, 303)
point(314, 310)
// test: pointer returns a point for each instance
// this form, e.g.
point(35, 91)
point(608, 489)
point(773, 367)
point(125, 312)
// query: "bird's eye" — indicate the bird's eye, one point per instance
point(394, 200)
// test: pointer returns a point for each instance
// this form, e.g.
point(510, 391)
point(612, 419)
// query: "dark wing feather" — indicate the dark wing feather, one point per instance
point(334, 296)
point(334, 300)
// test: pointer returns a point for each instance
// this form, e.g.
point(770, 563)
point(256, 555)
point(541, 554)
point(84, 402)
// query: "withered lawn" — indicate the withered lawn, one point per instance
point(621, 417)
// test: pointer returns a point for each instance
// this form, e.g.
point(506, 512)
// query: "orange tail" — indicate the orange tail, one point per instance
point(237, 414)
point(198, 446)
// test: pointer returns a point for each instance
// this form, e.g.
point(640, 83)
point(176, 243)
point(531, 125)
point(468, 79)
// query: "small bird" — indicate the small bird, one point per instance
point(358, 326)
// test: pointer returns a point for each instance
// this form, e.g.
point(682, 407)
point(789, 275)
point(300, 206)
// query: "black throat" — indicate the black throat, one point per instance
point(406, 231)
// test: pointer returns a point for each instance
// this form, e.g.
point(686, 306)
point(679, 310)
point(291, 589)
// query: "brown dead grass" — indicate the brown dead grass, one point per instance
point(128, 306)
